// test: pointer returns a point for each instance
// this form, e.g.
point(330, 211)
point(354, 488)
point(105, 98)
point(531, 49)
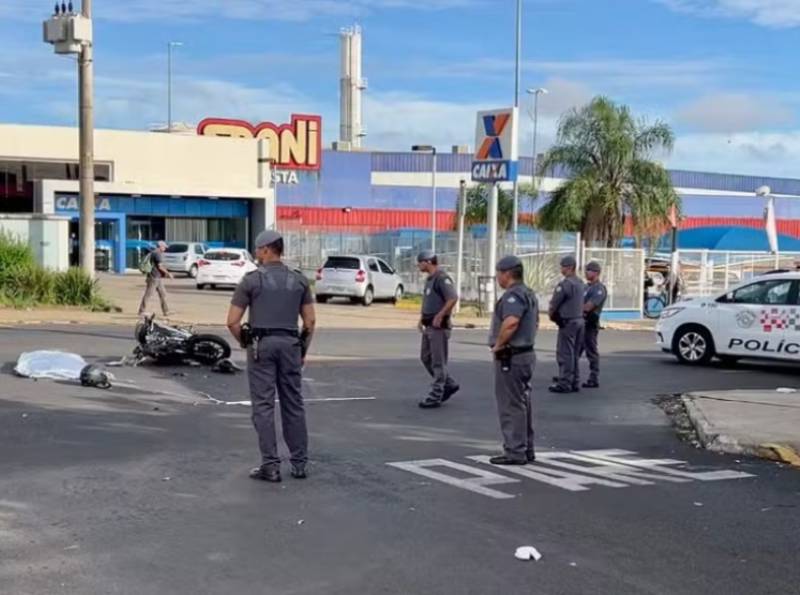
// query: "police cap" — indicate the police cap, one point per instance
point(569, 261)
point(507, 263)
point(267, 237)
point(426, 256)
point(594, 267)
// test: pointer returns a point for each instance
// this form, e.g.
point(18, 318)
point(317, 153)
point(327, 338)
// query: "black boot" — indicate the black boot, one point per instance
point(264, 473)
point(506, 460)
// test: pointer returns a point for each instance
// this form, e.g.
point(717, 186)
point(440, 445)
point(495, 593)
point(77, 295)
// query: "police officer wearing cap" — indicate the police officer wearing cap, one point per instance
point(512, 338)
point(566, 310)
point(439, 299)
point(594, 298)
point(276, 296)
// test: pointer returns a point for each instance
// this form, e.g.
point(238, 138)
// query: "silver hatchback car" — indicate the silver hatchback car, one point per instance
point(183, 257)
point(362, 279)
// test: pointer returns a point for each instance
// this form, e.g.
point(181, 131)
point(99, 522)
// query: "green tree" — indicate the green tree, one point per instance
point(478, 205)
point(607, 154)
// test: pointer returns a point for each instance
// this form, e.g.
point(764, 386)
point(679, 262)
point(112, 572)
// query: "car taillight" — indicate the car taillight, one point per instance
point(203, 263)
point(238, 263)
point(361, 276)
point(319, 274)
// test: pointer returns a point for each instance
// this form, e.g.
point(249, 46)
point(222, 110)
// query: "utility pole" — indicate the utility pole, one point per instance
point(462, 211)
point(491, 286)
point(170, 45)
point(86, 124)
point(71, 33)
point(517, 77)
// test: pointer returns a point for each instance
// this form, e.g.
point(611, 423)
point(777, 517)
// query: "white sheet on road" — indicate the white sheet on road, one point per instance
point(56, 365)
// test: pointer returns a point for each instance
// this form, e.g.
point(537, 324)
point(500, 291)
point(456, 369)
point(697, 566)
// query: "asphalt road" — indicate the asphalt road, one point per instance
point(144, 490)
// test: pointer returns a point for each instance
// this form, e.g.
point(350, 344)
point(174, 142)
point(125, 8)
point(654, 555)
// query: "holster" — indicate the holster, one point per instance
point(592, 320)
point(504, 357)
point(557, 320)
point(246, 336)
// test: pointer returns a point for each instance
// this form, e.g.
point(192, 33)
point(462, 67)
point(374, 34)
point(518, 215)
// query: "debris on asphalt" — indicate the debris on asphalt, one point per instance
point(573, 563)
point(785, 390)
point(24, 415)
point(225, 366)
point(673, 406)
point(527, 552)
point(698, 503)
point(300, 522)
point(166, 478)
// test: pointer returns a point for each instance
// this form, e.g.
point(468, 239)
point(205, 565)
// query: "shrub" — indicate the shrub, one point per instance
point(14, 254)
point(23, 283)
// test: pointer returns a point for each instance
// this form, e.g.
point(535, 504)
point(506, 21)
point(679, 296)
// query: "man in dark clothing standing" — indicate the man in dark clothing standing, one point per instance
point(594, 299)
point(155, 280)
point(438, 301)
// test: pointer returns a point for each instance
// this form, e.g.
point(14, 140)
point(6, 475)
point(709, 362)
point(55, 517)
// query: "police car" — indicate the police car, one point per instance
point(757, 319)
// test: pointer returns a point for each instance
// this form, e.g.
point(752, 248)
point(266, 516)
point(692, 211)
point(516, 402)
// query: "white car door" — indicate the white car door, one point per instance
point(753, 320)
point(378, 278)
point(389, 278)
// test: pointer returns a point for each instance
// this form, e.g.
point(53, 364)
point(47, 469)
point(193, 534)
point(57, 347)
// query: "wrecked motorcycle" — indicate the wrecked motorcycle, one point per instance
point(170, 344)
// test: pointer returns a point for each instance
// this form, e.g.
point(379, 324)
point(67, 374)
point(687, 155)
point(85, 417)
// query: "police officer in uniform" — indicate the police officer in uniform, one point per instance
point(566, 310)
point(593, 301)
point(275, 296)
point(514, 326)
point(438, 301)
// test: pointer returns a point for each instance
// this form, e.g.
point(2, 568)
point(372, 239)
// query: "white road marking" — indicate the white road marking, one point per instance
point(572, 482)
point(618, 456)
point(606, 469)
point(477, 483)
point(573, 471)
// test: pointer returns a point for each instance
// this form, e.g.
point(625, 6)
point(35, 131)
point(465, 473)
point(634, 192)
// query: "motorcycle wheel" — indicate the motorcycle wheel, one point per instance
point(207, 349)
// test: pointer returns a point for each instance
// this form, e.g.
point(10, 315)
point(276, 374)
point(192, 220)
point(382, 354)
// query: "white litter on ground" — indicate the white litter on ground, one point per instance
point(527, 552)
point(53, 365)
point(785, 390)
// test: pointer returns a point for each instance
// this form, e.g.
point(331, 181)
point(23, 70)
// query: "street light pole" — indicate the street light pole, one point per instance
point(517, 77)
point(432, 150)
point(86, 149)
point(535, 117)
point(170, 45)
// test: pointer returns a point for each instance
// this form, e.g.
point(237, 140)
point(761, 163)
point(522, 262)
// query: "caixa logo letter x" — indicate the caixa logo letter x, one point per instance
point(493, 125)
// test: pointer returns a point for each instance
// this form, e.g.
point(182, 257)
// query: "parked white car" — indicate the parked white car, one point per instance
point(360, 278)
point(224, 266)
point(757, 319)
point(183, 257)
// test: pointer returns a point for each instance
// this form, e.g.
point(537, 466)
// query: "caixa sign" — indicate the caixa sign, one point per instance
point(293, 146)
point(72, 203)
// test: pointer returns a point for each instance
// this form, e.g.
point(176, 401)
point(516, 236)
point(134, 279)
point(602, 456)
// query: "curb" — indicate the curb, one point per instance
point(725, 444)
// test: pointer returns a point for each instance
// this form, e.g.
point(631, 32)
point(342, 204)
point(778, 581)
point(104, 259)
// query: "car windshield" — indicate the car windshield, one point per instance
point(177, 248)
point(342, 262)
point(224, 256)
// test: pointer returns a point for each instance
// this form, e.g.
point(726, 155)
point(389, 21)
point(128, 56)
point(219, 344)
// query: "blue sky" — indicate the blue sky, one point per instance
point(721, 72)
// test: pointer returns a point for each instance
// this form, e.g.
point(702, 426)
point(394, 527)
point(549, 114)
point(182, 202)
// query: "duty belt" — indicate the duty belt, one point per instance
point(260, 333)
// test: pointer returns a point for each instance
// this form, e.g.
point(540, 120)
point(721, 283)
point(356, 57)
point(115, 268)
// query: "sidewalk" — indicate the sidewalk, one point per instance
point(762, 423)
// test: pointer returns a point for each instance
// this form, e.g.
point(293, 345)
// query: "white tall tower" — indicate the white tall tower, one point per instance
point(351, 129)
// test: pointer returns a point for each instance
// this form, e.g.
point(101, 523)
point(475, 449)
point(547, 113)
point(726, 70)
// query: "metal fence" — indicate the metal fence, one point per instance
point(711, 272)
point(623, 276)
point(308, 250)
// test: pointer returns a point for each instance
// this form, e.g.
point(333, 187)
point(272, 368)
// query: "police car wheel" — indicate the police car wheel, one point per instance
point(369, 297)
point(694, 346)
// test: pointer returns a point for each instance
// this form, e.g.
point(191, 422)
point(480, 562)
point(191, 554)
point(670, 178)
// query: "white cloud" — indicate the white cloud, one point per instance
point(752, 153)
point(279, 10)
point(769, 13)
point(735, 112)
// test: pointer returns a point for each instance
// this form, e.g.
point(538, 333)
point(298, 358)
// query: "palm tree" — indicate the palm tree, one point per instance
point(606, 153)
point(478, 207)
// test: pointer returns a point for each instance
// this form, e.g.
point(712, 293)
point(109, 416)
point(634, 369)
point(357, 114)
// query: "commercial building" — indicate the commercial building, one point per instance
point(230, 179)
point(150, 187)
